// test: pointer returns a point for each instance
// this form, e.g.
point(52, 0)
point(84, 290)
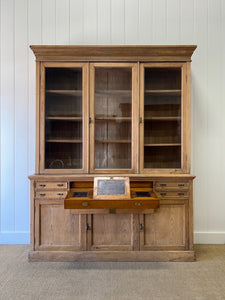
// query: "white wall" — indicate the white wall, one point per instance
point(72, 22)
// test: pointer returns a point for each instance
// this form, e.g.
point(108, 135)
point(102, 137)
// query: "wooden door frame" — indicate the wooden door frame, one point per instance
point(135, 100)
point(185, 118)
point(85, 112)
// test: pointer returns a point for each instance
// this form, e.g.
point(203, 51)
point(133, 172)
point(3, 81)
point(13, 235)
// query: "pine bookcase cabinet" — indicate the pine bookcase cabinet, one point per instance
point(115, 112)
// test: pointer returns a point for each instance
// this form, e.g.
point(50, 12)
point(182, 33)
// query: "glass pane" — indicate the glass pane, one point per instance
point(113, 107)
point(63, 118)
point(162, 118)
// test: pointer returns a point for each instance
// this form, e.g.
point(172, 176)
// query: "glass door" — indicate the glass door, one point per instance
point(161, 110)
point(63, 117)
point(113, 113)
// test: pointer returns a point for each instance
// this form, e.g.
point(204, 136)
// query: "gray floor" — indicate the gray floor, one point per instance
point(203, 279)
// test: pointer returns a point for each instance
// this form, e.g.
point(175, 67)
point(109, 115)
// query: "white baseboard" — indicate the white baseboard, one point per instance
point(21, 237)
point(213, 237)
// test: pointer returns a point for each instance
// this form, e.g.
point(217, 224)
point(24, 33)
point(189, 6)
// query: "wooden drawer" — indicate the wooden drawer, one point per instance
point(111, 204)
point(172, 194)
point(51, 194)
point(43, 185)
point(160, 185)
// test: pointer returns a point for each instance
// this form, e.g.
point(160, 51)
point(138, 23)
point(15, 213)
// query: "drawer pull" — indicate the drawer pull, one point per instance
point(163, 184)
point(163, 194)
point(42, 194)
point(42, 185)
point(60, 184)
point(137, 204)
point(59, 194)
point(180, 194)
point(180, 184)
point(84, 203)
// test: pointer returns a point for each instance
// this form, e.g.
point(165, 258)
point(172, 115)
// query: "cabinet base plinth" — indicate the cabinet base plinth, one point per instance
point(175, 256)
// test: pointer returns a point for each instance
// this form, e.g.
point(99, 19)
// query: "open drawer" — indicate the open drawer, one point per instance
point(141, 197)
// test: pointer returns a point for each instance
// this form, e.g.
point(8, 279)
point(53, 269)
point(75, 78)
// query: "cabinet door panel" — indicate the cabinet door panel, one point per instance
point(113, 111)
point(165, 229)
point(56, 228)
point(163, 106)
point(63, 117)
point(113, 232)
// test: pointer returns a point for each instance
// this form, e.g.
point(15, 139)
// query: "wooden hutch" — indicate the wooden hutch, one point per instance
point(108, 114)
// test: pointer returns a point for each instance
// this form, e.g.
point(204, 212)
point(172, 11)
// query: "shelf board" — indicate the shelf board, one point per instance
point(64, 118)
point(66, 92)
point(164, 92)
point(113, 118)
point(162, 144)
point(114, 92)
point(162, 118)
point(113, 141)
point(78, 141)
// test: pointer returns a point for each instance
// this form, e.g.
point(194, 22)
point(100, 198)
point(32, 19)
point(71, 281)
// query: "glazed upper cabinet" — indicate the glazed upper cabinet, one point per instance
point(164, 117)
point(63, 117)
point(113, 117)
point(104, 116)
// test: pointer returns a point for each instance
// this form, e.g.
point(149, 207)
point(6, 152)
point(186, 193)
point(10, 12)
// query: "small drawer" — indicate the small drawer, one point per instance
point(70, 203)
point(172, 194)
point(51, 194)
point(171, 185)
point(43, 185)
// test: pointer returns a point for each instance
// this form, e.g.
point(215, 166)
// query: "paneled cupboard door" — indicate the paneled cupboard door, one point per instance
point(113, 118)
point(164, 109)
point(64, 118)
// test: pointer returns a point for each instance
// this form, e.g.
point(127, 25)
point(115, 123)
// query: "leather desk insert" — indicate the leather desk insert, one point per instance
point(142, 196)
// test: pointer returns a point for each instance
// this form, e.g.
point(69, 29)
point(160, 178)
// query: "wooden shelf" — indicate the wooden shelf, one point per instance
point(78, 141)
point(162, 118)
point(164, 92)
point(66, 92)
point(162, 145)
point(113, 141)
point(113, 118)
point(64, 118)
point(113, 92)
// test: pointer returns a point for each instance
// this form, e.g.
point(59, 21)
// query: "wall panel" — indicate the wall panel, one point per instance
point(21, 115)
point(7, 117)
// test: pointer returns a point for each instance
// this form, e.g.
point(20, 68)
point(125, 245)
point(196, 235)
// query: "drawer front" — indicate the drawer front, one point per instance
point(172, 194)
point(111, 204)
point(51, 194)
point(43, 185)
point(171, 185)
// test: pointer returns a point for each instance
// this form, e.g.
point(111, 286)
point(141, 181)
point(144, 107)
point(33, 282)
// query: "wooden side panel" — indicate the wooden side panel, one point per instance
point(165, 229)
point(32, 214)
point(113, 232)
point(56, 228)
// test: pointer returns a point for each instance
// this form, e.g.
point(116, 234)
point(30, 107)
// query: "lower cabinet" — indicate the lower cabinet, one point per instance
point(166, 229)
point(57, 229)
point(113, 232)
